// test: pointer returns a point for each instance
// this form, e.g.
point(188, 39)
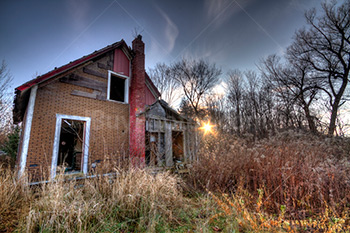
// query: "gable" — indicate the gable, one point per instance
point(121, 63)
point(94, 76)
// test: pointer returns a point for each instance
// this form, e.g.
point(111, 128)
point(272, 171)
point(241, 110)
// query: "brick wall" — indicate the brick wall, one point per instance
point(109, 133)
point(137, 103)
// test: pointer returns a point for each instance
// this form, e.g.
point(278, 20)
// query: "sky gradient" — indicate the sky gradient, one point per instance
point(38, 35)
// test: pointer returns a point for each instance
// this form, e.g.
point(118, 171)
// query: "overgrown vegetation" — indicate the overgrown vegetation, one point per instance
point(10, 146)
point(291, 182)
point(299, 176)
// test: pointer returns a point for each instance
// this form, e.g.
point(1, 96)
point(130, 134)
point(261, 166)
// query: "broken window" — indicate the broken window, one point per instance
point(70, 156)
point(117, 87)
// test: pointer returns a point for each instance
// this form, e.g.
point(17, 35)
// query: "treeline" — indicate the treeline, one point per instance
point(296, 90)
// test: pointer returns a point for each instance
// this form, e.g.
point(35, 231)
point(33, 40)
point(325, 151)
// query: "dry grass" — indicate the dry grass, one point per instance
point(292, 182)
point(133, 200)
point(13, 199)
point(307, 176)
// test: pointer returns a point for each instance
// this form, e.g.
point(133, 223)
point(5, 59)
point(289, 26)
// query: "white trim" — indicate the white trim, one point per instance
point(26, 131)
point(56, 143)
point(126, 86)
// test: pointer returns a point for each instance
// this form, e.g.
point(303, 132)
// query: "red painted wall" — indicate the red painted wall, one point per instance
point(121, 63)
point(149, 97)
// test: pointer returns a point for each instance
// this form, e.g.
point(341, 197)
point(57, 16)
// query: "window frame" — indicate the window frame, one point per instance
point(126, 86)
point(56, 144)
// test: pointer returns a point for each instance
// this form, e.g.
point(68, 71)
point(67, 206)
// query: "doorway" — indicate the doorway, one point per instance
point(178, 146)
point(71, 144)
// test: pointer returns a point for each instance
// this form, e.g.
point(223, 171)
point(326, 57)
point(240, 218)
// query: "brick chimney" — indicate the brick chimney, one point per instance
point(137, 103)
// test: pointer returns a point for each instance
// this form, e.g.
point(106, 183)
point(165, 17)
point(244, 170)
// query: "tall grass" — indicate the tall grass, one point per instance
point(14, 196)
point(133, 200)
point(303, 174)
point(291, 182)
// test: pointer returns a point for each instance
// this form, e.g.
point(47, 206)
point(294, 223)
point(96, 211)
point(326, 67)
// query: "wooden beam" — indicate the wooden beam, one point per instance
point(85, 82)
point(104, 66)
point(95, 73)
point(94, 95)
point(168, 145)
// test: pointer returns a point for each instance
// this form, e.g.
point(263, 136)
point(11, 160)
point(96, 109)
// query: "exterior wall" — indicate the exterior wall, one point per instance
point(149, 98)
point(109, 133)
point(121, 63)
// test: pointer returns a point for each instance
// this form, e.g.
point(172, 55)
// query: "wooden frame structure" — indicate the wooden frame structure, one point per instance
point(161, 124)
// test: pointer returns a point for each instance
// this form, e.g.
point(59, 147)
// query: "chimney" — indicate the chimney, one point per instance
point(137, 103)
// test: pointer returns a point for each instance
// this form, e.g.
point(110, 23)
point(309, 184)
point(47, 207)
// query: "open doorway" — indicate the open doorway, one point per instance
point(155, 149)
point(71, 146)
point(178, 146)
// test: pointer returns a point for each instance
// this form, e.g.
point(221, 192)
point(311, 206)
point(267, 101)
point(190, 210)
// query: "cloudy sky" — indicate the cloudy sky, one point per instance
point(38, 35)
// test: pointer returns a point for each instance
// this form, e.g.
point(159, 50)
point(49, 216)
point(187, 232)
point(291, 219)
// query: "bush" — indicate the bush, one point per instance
point(10, 145)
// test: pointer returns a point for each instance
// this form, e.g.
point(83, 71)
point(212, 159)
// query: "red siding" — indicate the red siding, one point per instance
point(149, 96)
point(121, 63)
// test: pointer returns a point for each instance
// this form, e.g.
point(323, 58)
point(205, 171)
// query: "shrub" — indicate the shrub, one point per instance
point(10, 145)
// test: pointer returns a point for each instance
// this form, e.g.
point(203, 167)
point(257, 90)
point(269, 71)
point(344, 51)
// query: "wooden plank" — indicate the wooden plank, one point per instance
point(160, 151)
point(104, 66)
point(95, 73)
point(185, 145)
point(85, 82)
point(94, 95)
point(168, 145)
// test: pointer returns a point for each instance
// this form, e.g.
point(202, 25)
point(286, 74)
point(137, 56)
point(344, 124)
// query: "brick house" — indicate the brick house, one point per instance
point(96, 110)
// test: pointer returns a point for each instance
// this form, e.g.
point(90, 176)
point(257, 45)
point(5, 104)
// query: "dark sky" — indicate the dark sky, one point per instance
point(38, 35)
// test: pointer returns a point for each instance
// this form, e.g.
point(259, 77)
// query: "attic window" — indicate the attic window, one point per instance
point(118, 87)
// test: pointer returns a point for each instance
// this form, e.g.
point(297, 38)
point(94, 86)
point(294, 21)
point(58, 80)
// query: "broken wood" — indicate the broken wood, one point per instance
point(95, 73)
point(84, 82)
point(103, 66)
point(168, 145)
point(94, 95)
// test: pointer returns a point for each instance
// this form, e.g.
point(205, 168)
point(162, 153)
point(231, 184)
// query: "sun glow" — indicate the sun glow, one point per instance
point(207, 127)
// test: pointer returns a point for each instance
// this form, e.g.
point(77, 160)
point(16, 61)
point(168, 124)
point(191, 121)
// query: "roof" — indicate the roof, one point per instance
point(71, 65)
point(169, 111)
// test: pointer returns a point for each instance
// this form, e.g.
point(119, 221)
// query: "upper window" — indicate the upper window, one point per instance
point(118, 87)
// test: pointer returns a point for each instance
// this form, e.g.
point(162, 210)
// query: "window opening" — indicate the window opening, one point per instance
point(117, 87)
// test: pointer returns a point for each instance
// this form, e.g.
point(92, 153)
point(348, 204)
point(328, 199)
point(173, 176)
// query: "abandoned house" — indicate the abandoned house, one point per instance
point(95, 110)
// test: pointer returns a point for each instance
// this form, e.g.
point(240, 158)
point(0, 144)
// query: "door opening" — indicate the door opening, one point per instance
point(70, 156)
point(178, 146)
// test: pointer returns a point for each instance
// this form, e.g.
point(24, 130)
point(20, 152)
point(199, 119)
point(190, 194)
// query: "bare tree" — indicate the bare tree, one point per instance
point(293, 82)
point(163, 77)
point(325, 46)
point(197, 79)
point(235, 94)
point(216, 109)
point(5, 99)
